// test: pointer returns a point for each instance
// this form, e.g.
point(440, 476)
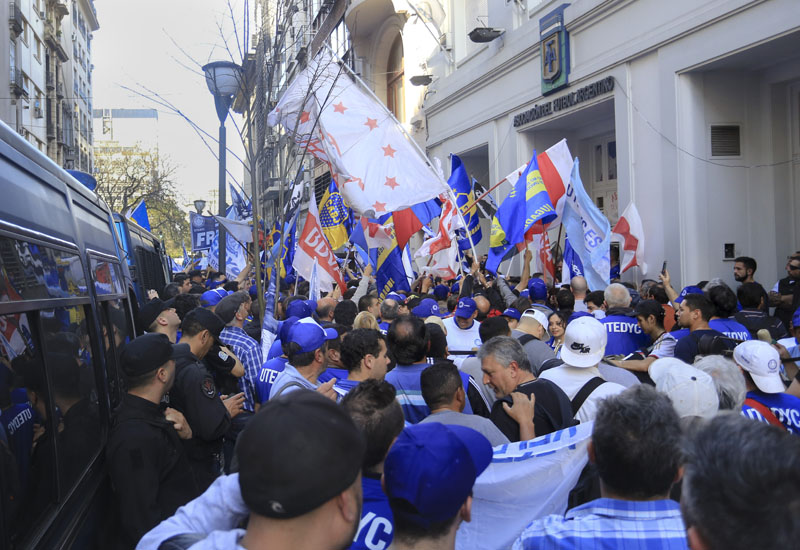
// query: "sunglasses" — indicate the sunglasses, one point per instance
point(793, 267)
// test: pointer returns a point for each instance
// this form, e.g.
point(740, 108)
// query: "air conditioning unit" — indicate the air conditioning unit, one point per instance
point(37, 112)
point(42, 15)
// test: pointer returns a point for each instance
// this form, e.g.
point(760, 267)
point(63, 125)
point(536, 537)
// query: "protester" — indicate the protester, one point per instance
point(428, 476)
point(625, 336)
point(526, 407)
point(444, 394)
point(495, 326)
point(325, 308)
point(741, 487)
point(287, 499)
point(785, 295)
point(376, 412)
point(635, 447)
point(595, 302)
point(556, 326)
point(694, 313)
point(462, 330)
point(532, 333)
point(579, 290)
point(363, 353)
point(390, 310)
point(305, 349)
point(650, 317)
point(752, 315)
point(159, 317)
point(724, 301)
point(365, 319)
point(728, 381)
point(692, 391)
point(579, 376)
point(512, 316)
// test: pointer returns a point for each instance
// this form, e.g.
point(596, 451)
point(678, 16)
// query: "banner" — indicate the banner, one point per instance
point(630, 234)
point(572, 266)
point(204, 231)
point(463, 190)
point(314, 247)
point(525, 481)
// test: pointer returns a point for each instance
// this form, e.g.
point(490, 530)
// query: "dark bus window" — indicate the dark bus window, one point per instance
point(70, 370)
point(116, 332)
point(26, 416)
point(107, 278)
point(34, 272)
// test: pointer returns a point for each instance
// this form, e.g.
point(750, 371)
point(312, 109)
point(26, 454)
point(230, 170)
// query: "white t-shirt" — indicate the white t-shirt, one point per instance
point(459, 339)
point(572, 379)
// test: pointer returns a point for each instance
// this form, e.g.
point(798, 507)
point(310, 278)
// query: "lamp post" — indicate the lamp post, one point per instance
point(224, 79)
point(199, 205)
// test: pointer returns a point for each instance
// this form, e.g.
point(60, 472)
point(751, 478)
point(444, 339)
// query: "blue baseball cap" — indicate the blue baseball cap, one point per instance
point(212, 297)
point(688, 290)
point(513, 313)
point(454, 288)
point(796, 319)
point(524, 293)
point(426, 308)
point(537, 289)
point(301, 309)
point(466, 307)
point(309, 335)
point(399, 298)
point(441, 292)
point(433, 467)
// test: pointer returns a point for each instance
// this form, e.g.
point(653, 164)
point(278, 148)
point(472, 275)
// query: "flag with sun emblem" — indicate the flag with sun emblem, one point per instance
point(334, 217)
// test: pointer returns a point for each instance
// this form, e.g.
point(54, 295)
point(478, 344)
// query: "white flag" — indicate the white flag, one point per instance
point(630, 234)
point(377, 169)
point(313, 249)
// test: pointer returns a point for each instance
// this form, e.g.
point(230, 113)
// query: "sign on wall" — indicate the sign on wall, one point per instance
point(554, 50)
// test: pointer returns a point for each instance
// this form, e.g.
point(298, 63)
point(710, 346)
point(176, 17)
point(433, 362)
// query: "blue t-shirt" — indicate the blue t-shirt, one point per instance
point(785, 407)
point(266, 377)
point(332, 372)
point(731, 328)
point(342, 386)
point(18, 421)
point(624, 335)
point(383, 326)
point(376, 528)
point(405, 379)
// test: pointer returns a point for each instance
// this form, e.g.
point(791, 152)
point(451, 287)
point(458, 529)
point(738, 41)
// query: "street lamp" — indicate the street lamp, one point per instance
point(199, 205)
point(224, 80)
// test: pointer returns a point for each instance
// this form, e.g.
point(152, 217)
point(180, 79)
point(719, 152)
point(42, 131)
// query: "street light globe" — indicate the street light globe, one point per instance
point(223, 78)
point(199, 205)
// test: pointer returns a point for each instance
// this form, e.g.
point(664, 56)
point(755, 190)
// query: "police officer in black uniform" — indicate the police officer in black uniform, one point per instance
point(195, 395)
point(150, 471)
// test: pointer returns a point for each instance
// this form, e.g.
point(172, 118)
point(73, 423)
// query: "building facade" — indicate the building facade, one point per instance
point(45, 48)
point(690, 109)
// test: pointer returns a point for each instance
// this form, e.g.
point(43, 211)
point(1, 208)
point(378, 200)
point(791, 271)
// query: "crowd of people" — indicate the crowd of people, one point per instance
point(367, 422)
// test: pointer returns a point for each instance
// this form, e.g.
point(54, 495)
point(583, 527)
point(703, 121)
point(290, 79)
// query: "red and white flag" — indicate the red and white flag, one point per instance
point(443, 247)
point(377, 168)
point(313, 246)
point(555, 166)
point(630, 234)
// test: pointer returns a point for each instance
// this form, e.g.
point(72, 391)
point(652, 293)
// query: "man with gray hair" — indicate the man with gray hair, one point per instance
point(390, 310)
point(625, 336)
point(741, 486)
point(526, 407)
point(728, 380)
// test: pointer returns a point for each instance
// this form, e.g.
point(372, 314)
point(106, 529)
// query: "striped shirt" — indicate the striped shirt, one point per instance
point(607, 523)
point(249, 353)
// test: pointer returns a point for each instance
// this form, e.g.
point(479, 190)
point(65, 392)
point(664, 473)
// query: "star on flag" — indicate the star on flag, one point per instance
point(379, 206)
point(391, 182)
point(339, 107)
point(372, 123)
point(388, 151)
point(304, 116)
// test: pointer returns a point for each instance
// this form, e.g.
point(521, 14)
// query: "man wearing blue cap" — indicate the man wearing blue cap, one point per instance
point(426, 308)
point(428, 476)
point(462, 330)
point(305, 350)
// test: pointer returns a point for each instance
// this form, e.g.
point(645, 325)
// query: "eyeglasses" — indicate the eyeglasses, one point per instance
point(794, 267)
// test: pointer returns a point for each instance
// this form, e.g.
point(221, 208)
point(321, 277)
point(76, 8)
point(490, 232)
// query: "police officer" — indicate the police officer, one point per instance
point(150, 472)
point(195, 395)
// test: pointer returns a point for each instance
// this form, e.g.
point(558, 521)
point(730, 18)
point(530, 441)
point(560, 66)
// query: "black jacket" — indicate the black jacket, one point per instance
point(150, 472)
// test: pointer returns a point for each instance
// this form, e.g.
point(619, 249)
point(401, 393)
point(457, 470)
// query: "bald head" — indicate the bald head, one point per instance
point(325, 307)
point(578, 286)
point(482, 303)
point(617, 295)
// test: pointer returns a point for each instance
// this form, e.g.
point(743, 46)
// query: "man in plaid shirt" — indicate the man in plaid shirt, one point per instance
point(233, 310)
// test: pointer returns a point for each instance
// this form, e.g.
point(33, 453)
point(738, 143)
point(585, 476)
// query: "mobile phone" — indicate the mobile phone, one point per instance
point(664, 267)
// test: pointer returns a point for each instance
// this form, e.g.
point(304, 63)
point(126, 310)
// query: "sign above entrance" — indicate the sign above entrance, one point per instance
point(562, 103)
point(554, 50)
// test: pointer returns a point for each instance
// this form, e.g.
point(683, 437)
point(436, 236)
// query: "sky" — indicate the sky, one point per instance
point(139, 46)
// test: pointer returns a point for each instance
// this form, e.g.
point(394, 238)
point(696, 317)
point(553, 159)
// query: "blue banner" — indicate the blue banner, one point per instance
point(572, 263)
point(204, 231)
point(460, 183)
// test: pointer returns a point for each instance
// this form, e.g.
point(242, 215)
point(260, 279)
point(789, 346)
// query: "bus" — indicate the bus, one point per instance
point(147, 260)
point(65, 311)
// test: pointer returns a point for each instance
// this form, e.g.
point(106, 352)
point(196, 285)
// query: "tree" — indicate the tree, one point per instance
point(127, 175)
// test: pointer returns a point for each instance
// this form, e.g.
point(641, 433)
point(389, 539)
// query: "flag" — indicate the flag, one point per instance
point(377, 168)
point(390, 273)
point(243, 206)
point(269, 329)
point(555, 166)
point(464, 192)
point(527, 203)
point(571, 264)
point(139, 215)
point(535, 476)
point(630, 234)
point(542, 242)
point(239, 229)
point(313, 246)
point(235, 254)
point(589, 229)
point(313, 283)
point(443, 248)
point(410, 220)
point(334, 216)
point(176, 268)
point(186, 259)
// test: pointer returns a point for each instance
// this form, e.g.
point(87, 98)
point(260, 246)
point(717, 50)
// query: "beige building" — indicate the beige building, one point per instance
point(48, 50)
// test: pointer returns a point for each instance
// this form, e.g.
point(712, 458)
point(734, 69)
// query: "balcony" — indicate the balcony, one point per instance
point(61, 9)
point(60, 90)
point(369, 14)
point(15, 18)
point(17, 83)
point(52, 39)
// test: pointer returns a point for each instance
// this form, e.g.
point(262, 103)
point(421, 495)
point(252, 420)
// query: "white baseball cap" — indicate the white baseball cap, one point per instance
point(692, 391)
point(584, 342)
point(763, 363)
point(540, 317)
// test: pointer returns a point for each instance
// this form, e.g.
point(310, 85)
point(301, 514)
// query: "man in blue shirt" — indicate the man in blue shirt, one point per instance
point(625, 336)
point(766, 398)
point(694, 313)
point(376, 412)
point(636, 448)
point(724, 301)
point(305, 349)
point(363, 353)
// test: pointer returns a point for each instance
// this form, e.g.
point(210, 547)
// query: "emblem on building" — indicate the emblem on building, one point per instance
point(554, 50)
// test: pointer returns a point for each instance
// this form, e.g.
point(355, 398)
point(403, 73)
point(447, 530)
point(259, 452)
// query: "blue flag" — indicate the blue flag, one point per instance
point(573, 267)
point(269, 329)
point(244, 207)
point(390, 274)
point(464, 191)
point(186, 259)
point(527, 203)
point(590, 230)
point(139, 215)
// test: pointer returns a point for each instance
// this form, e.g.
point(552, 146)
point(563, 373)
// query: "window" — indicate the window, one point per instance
point(25, 31)
point(116, 332)
point(106, 277)
point(394, 79)
point(29, 271)
point(38, 51)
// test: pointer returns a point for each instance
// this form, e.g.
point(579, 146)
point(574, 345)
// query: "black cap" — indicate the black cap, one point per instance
point(298, 452)
point(150, 312)
point(207, 319)
point(145, 354)
point(645, 308)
